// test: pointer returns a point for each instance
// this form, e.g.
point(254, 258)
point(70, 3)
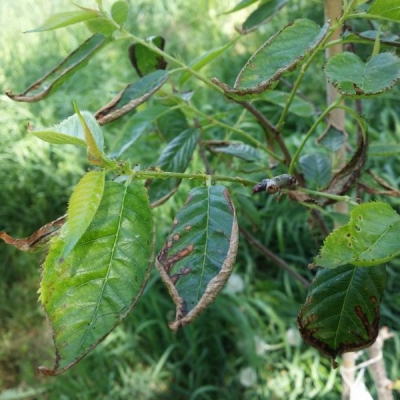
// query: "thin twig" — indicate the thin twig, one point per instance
point(277, 260)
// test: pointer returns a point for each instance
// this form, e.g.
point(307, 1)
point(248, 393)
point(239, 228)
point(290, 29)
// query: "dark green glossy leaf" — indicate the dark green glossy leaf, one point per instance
point(175, 158)
point(97, 285)
point(132, 96)
point(198, 256)
point(82, 207)
point(240, 150)
point(387, 9)
point(280, 55)
point(61, 20)
point(370, 238)
point(119, 11)
point(262, 15)
point(341, 312)
point(172, 124)
point(134, 128)
point(332, 138)
point(145, 60)
point(352, 77)
point(62, 72)
point(71, 131)
point(369, 37)
point(317, 168)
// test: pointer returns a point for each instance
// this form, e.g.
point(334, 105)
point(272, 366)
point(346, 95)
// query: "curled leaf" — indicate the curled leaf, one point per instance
point(39, 238)
point(62, 72)
point(132, 96)
point(198, 256)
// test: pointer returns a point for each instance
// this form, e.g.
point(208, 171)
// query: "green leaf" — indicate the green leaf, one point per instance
point(145, 60)
point(341, 312)
point(317, 168)
point(62, 72)
point(119, 11)
point(135, 127)
point(174, 158)
point(101, 26)
point(387, 9)
point(369, 37)
point(299, 106)
point(384, 150)
point(171, 124)
point(241, 5)
point(82, 207)
point(70, 131)
point(200, 251)
point(61, 20)
point(352, 77)
point(131, 97)
point(262, 15)
point(332, 138)
point(240, 150)
point(203, 60)
point(97, 285)
point(280, 55)
point(94, 139)
point(370, 238)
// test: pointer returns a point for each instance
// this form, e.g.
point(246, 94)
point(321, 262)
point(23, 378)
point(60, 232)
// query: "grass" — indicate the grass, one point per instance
point(245, 346)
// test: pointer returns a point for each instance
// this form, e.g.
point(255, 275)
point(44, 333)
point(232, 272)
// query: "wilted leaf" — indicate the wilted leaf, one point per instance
point(97, 285)
point(341, 312)
point(352, 77)
point(62, 72)
point(132, 96)
point(370, 238)
point(198, 256)
point(145, 60)
point(82, 207)
point(264, 69)
point(38, 239)
point(175, 158)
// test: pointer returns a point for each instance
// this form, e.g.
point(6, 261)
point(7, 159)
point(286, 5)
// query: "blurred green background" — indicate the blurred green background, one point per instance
point(246, 345)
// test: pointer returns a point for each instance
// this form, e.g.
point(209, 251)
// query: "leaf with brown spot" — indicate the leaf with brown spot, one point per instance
point(38, 238)
point(195, 263)
point(341, 312)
